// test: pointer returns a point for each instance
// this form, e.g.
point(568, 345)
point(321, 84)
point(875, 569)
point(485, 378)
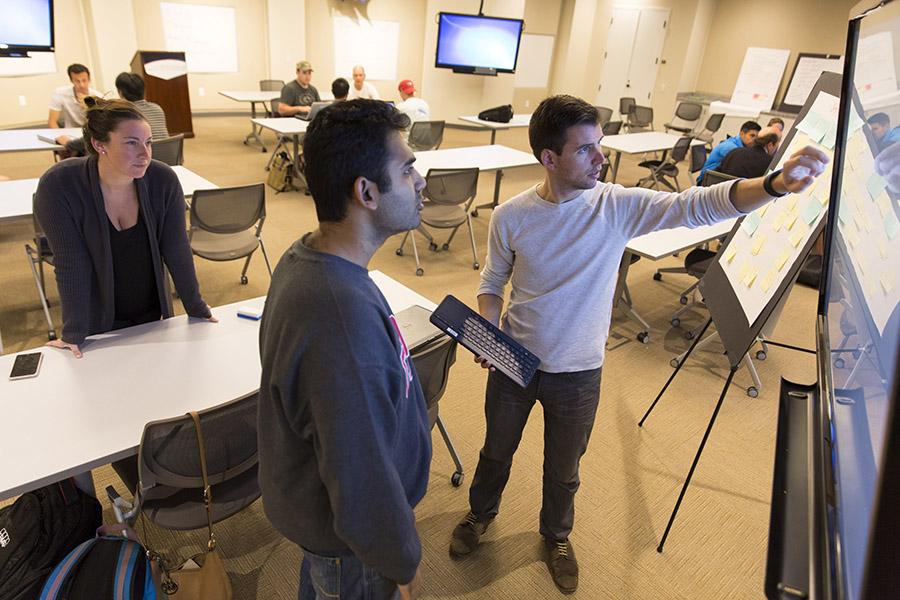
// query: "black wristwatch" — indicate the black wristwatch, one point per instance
point(767, 185)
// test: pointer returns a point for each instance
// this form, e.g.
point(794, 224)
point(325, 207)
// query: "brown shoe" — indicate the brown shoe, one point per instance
point(562, 563)
point(466, 535)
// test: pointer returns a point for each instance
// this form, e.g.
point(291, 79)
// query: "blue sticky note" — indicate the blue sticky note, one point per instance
point(830, 137)
point(891, 225)
point(875, 185)
point(844, 212)
point(750, 223)
point(808, 123)
point(811, 212)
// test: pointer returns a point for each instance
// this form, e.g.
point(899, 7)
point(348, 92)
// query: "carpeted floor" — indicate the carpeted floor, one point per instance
point(631, 476)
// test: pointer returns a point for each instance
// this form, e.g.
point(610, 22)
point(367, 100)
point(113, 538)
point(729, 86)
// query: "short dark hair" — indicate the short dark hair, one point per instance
point(765, 140)
point(340, 88)
point(550, 123)
point(879, 118)
point(103, 116)
point(750, 126)
point(775, 121)
point(131, 86)
point(75, 68)
point(345, 141)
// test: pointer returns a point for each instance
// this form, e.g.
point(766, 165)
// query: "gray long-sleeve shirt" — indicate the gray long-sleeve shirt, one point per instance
point(563, 259)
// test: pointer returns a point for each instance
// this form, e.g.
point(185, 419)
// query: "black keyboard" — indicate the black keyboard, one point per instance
point(481, 337)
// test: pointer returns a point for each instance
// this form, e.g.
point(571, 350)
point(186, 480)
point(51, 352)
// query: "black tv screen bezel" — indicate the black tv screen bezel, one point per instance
point(22, 50)
point(471, 69)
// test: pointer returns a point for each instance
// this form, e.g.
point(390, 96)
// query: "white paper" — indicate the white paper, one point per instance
point(372, 44)
point(760, 77)
point(206, 34)
point(167, 68)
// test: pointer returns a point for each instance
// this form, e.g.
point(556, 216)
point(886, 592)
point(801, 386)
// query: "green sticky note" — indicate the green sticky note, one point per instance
point(875, 185)
point(830, 137)
point(811, 212)
point(891, 225)
point(855, 121)
point(808, 123)
point(750, 223)
point(843, 212)
point(818, 132)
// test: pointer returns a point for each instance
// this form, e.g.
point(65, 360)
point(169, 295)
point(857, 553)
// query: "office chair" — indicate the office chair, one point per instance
point(626, 106)
point(711, 127)
point(222, 224)
point(432, 364)
point(686, 116)
point(661, 169)
point(426, 135)
point(605, 115)
point(612, 128)
point(640, 119)
point(169, 150)
point(167, 484)
point(712, 177)
point(448, 195)
point(37, 256)
point(271, 85)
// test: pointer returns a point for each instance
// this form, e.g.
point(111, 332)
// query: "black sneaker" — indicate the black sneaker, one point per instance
point(562, 563)
point(466, 535)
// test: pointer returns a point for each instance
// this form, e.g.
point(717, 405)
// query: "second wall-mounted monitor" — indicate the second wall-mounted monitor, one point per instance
point(478, 44)
point(26, 27)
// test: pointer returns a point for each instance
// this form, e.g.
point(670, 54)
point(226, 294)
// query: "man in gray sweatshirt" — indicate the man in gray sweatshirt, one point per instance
point(559, 244)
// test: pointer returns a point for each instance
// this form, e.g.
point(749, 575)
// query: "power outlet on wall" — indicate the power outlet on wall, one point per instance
point(22, 101)
point(201, 91)
point(527, 103)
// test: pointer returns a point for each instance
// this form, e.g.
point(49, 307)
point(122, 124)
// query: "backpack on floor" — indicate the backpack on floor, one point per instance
point(37, 531)
point(110, 567)
point(281, 173)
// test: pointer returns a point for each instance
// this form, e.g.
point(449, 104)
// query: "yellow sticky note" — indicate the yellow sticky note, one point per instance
point(852, 236)
point(759, 242)
point(783, 257)
point(790, 202)
point(751, 276)
point(761, 211)
point(884, 203)
point(742, 273)
point(797, 235)
point(872, 286)
point(862, 263)
point(730, 252)
point(859, 217)
point(888, 283)
point(867, 222)
point(766, 283)
point(882, 248)
point(778, 223)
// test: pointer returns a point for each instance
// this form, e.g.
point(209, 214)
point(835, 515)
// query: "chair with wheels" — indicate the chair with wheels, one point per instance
point(37, 256)
point(426, 135)
point(612, 128)
point(169, 150)
point(271, 85)
point(432, 363)
point(686, 116)
point(712, 126)
point(167, 482)
point(712, 177)
point(226, 224)
point(448, 195)
point(661, 169)
point(605, 115)
point(640, 119)
point(626, 106)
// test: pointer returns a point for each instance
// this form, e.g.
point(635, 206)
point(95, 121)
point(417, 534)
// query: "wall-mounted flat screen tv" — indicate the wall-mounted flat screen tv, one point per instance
point(26, 26)
point(477, 44)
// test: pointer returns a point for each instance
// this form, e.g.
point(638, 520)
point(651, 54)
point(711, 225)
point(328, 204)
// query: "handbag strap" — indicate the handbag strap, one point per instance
point(207, 491)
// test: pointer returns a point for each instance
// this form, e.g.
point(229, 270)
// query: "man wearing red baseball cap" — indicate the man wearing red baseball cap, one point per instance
point(414, 108)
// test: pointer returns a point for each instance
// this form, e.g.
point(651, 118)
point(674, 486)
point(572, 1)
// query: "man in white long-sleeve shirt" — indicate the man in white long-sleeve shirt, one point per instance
point(559, 244)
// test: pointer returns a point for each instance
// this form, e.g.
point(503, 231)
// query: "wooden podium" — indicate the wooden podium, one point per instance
point(171, 94)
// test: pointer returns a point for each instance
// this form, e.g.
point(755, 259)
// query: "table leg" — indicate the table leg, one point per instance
point(298, 176)
point(254, 133)
point(493, 204)
point(615, 166)
point(493, 135)
point(626, 305)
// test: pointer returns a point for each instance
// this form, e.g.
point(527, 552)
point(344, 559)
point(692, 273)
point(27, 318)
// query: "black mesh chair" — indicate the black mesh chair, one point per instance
point(686, 116)
point(169, 150)
point(713, 123)
point(271, 85)
point(426, 135)
point(226, 224)
point(605, 115)
point(448, 195)
point(661, 169)
point(640, 119)
point(432, 363)
point(626, 106)
point(612, 128)
point(168, 489)
point(37, 256)
point(712, 177)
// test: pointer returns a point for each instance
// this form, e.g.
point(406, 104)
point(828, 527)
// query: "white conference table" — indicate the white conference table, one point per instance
point(253, 97)
point(15, 195)
point(27, 140)
point(640, 143)
point(486, 158)
point(658, 245)
point(286, 127)
point(79, 414)
point(494, 127)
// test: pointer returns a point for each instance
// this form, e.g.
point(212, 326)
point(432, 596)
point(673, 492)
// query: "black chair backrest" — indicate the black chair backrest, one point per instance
point(714, 122)
point(698, 157)
point(228, 210)
point(426, 135)
point(432, 364)
point(451, 186)
point(681, 148)
point(273, 107)
point(711, 177)
point(626, 105)
point(270, 85)
point(612, 128)
point(605, 114)
point(689, 111)
point(641, 116)
point(169, 150)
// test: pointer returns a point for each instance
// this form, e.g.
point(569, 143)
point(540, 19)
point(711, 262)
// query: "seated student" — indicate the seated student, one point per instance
point(67, 105)
point(777, 123)
point(112, 220)
point(131, 87)
point(880, 124)
point(339, 89)
point(298, 95)
point(753, 160)
point(414, 108)
point(362, 88)
point(749, 130)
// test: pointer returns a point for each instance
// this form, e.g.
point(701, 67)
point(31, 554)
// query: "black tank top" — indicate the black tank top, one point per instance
point(134, 282)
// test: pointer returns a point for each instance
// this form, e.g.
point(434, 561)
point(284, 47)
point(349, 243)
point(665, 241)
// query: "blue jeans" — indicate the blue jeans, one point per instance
point(570, 404)
point(341, 575)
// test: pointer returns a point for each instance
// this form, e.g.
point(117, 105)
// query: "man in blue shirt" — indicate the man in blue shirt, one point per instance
point(749, 131)
point(880, 124)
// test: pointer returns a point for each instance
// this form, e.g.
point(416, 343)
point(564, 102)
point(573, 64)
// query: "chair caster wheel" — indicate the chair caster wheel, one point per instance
point(264, 150)
point(243, 280)
point(674, 363)
point(752, 392)
point(854, 354)
point(432, 246)
point(475, 213)
point(420, 272)
point(839, 363)
point(643, 337)
point(456, 479)
point(51, 335)
point(246, 143)
point(683, 299)
point(446, 247)
point(688, 335)
point(475, 266)
point(399, 251)
point(676, 322)
point(657, 277)
point(760, 355)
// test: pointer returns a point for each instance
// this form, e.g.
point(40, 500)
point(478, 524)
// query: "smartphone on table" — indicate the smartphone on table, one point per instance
point(26, 365)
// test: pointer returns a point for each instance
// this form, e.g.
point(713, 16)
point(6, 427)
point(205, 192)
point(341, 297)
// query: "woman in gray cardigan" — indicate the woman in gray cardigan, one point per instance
point(111, 219)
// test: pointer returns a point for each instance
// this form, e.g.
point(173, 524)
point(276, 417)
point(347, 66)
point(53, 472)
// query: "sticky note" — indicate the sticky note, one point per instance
point(808, 123)
point(875, 185)
point(797, 235)
point(791, 219)
point(759, 242)
point(767, 281)
point(819, 130)
point(751, 276)
point(742, 273)
point(888, 283)
point(852, 237)
point(881, 243)
point(778, 223)
point(783, 257)
point(811, 212)
point(891, 225)
point(872, 287)
point(855, 121)
point(843, 211)
point(830, 137)
point(884, 203)
point(790, 202)
point(730, 252)
point(855, 145)
point(861, 262)
point(867, 222)
point(859, 218)
point(750, 223)
point(761, 211)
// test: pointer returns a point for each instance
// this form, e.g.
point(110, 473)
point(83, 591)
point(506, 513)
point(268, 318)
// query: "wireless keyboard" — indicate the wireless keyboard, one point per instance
point(482, 338)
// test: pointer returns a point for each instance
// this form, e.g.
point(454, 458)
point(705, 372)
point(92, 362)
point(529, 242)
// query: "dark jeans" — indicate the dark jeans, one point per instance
point(570, 403)
point(342, 576)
